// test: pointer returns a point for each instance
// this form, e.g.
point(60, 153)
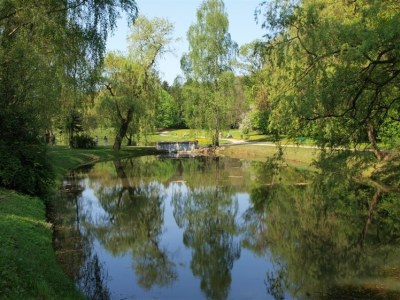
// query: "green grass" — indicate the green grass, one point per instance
point(179, 135)
point(28, 265)
point(294, 156)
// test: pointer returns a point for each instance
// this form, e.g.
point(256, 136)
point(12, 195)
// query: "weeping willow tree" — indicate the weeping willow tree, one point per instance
point(334, 70)
point(50, 51)
point(131, 81)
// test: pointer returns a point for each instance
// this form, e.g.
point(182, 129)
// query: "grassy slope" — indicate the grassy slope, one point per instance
point(28, 266)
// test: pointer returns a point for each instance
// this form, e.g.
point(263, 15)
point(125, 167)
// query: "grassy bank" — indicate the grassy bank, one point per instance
point(295, 156)
point(28, 266)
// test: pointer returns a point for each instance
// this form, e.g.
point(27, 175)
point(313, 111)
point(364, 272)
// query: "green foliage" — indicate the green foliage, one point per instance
point(83, 141)
point(255, 85)
point(50, 53)
point(211, 49)
point(131, 82)
point(25, 168)
point(245, 126)
point(168, 111)
point(210, 90)
point(22, 154)
point(389, 134)
point(331, 71)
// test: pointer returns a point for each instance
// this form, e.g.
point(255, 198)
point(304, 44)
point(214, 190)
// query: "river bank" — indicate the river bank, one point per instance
point(28, 265)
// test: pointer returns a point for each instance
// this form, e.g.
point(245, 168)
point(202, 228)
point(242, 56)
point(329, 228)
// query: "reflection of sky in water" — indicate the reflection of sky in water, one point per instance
point(248, 272)
point(91, 205)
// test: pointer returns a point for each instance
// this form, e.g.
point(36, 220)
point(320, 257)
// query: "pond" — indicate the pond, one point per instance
point(219, 228)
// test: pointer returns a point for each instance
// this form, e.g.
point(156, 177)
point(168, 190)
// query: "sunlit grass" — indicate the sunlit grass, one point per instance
point(28, 267)
point(179, 135)
point(294, 156)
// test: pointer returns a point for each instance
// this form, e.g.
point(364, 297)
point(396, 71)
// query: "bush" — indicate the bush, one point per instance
point(25, 168)
point(83, 141)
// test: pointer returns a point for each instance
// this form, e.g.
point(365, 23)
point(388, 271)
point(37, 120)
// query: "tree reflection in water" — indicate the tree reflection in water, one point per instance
point(330, 238)
point(328, 233)
point(207, 216)
point(73, 246)
point(134, 225)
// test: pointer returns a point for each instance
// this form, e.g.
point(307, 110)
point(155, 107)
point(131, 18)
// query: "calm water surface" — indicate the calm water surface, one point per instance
point(217, 228)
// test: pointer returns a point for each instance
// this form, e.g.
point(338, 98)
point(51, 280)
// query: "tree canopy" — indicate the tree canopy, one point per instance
point(131, 81)
point(334, 69)
point(50, 54)
point(206, 65)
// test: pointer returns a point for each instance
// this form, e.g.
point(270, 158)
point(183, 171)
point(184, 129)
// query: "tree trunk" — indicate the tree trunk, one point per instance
point(119, 168)
point(372, 139)
point(129, 137)
point(122, 130)
point(216, 138)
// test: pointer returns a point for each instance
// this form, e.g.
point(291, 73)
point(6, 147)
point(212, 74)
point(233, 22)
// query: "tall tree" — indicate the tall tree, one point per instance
point(336, 72)
point(131, 80)
point(211, 51)
point(48, 50)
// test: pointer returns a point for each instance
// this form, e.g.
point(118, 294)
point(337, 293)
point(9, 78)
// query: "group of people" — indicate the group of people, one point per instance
point(105, 140)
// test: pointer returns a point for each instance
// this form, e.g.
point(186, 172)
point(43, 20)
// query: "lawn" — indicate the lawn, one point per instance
point(28, 267)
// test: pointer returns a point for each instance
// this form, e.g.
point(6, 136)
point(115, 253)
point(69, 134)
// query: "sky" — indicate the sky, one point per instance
point(182, 13)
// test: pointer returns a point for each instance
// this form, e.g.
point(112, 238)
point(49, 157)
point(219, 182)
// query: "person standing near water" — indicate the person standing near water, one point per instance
point(105, 141)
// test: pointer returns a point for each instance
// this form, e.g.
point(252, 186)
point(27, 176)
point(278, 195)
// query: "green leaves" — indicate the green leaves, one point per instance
point(211, 48)
point(131, 85)
point(50, 54)
point(207, 66)
point(334, 67)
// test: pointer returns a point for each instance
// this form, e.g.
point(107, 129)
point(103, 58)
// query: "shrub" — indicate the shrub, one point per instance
point(25, 168)
point(83, 141)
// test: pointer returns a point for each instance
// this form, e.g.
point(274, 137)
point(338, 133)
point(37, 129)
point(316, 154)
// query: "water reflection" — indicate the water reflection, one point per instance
point(327, 236)
point(207, 216)
point(189, 228)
